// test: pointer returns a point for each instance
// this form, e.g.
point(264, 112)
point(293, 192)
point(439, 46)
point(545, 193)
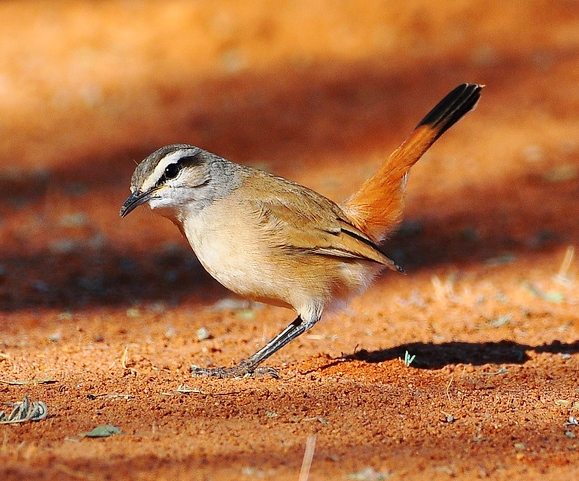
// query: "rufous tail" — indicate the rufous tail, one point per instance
point(376, 208)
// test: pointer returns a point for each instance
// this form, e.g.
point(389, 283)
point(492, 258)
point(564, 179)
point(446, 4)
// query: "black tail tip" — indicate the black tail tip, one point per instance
point(459, 101)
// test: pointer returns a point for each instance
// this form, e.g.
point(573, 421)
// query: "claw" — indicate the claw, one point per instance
point(244, 369)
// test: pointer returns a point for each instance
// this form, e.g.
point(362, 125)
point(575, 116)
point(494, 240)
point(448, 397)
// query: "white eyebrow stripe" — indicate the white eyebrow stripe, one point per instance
point(171, 158)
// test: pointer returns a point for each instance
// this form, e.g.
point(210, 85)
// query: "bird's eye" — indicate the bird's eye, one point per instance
point(171, 171)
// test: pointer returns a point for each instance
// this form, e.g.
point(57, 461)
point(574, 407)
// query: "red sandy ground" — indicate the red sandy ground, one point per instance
point(318, 91)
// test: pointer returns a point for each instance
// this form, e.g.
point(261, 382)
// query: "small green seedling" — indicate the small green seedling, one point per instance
point(408, 359)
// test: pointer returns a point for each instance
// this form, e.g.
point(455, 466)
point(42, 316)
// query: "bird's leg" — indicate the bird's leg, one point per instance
point(251, 366)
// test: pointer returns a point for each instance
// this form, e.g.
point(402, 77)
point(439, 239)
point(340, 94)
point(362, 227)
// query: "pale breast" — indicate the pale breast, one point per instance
point(227, 243)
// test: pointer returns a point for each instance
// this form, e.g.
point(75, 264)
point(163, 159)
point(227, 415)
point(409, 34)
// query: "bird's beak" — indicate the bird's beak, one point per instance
point(134, 200)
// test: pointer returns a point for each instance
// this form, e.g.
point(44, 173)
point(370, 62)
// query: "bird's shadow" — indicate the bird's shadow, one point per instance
point(436, 356)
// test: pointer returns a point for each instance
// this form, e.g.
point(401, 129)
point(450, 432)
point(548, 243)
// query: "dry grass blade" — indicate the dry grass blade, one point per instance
point(448, 387)
point(562, 276)
point(308, 457)
point(184, 389)
point(443, 291)
point(502, 370)
point(124, 360)
point(27, 383)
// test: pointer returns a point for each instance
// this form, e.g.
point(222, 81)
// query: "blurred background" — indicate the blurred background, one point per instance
point(318, 91)
point(112, 312)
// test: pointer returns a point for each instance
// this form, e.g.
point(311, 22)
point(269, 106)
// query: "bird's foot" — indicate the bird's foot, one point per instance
point(243, 369)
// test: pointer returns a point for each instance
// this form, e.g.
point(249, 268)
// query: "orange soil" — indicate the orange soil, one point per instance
point(317, 91)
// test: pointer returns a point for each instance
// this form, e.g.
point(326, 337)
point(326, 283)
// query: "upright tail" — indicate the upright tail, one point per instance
point(376, 208)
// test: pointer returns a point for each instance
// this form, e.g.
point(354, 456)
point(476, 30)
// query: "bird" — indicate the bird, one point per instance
point(274, 241)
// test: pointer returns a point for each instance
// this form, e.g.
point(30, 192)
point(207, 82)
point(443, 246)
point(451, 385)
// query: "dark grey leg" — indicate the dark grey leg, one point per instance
point(250, 366)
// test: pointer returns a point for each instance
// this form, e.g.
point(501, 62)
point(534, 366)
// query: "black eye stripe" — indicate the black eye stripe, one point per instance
point(188, 160)
point(172, 170)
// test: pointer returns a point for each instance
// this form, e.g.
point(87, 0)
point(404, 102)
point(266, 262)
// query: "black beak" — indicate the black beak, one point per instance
point(134, 200)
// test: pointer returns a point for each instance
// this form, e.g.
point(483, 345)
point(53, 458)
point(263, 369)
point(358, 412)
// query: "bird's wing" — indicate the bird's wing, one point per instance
point(303, 220)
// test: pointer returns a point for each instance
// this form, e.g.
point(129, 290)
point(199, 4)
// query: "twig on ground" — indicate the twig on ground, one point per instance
point(113, 395)
point(27, 383)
